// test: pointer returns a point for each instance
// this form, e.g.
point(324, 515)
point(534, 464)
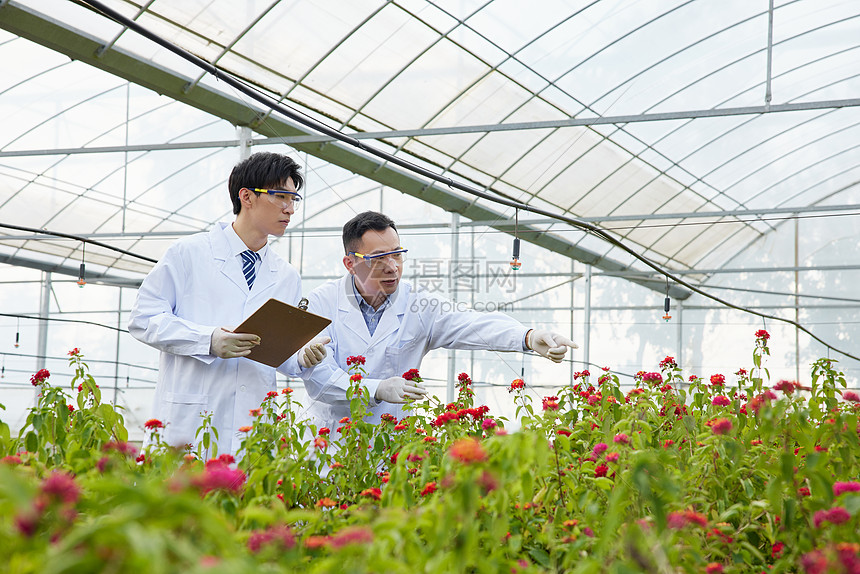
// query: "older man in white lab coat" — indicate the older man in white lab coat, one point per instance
point(203, 287)
point(393, 326)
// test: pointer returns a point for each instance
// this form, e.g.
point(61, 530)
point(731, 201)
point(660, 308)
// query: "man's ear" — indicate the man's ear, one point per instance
point(348, 263)
point(245, 197)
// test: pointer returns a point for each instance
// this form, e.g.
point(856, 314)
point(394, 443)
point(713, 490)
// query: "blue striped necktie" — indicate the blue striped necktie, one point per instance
point(249, 266)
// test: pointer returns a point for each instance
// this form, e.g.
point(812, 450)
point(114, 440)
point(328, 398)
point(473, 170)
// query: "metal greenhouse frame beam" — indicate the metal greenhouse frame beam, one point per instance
point(79, 46)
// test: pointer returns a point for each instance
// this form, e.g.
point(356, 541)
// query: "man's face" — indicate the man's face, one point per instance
point(377, 281)
point(273, 212)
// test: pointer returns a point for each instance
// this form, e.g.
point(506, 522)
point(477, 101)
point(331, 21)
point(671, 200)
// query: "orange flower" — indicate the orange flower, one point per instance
point(468, 450)
point(326, 502)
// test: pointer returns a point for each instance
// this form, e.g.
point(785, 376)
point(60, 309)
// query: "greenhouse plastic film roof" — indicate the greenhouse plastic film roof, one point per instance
point(444, 84)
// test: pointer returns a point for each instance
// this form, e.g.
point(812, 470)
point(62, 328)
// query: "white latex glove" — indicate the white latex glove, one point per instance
point(313, 353)
point(398, 389)
point(551, 345)
point(226, 344)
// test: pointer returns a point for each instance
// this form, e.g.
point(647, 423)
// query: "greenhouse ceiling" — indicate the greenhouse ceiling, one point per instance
point(680, 126)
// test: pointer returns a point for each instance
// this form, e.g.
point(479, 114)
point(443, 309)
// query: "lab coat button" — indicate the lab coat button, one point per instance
point(242, 388)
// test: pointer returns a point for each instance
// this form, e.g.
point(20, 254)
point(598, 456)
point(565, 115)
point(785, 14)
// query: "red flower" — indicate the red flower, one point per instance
point(412, 375)
point(279, 537)
point(271, 395)
point(429, 488)
point(314, 542)
point(787, 387)
point(717, 380)
point(326, 502)
point(357, 360)
point(153, 424)
point(374, 493)
point(601, 470)
point(721, 401)
point(668, 443)
point(74, 352)
point(356, 378)
point(721, 426)
point(11, 459)
point(246, 428)
point(564, 431)
point(714, 568)
point(612, 457)
point(61, 487)
point(323, 431)
point(287, 391)
point(71, 408)
point(40, 377)
point(668, 362)
point(803, 491)
point(467, 451)
point(463, 379)
point(840, 487)
point(653, 378)
point(762, 334)
point(550, 403)
point(320, 443)
point(777, 549)
point(678, 520)
point(519, 384)
point(850, 396)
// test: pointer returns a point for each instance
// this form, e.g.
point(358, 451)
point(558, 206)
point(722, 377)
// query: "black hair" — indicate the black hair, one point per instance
point(356, 227)
point(264, 170)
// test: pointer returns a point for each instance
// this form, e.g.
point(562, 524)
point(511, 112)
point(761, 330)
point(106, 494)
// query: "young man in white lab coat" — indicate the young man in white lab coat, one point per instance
point(207, 284)
point(393, 326)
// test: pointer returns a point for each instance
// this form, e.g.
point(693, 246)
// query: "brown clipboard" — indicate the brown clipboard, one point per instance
point(283, 329)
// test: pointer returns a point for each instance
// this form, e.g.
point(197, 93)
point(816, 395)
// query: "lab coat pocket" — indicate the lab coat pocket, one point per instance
point(183, 413)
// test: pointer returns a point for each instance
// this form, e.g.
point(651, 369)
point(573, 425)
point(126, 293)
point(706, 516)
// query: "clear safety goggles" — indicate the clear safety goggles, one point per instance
point(281, 198)
point(380, 260)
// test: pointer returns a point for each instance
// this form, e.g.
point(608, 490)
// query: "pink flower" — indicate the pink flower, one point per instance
point(840, 487)
point(850, 396)
point(600, 447)
point(836, 515)
point(279, 537)
point(721, 426)
point(220, 477)
point(721, 401)
point(621, 438)
point(814, 562)
point(714, 568)
point(61, 487)
point(351, 535)
point(488, 424)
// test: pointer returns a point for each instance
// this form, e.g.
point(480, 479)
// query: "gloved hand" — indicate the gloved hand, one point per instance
point(226, 344)
point(313, 353)
point(551, 345)
point(398, 389)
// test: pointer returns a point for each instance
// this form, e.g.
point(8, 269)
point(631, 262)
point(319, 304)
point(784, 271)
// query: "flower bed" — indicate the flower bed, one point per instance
point(700, 475)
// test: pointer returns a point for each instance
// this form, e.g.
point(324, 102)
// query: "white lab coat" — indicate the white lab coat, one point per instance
point(195, 288)
point(415, 323)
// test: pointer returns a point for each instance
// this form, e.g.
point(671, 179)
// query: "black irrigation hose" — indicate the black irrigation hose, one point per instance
point(78, 238)
point(337, 135)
